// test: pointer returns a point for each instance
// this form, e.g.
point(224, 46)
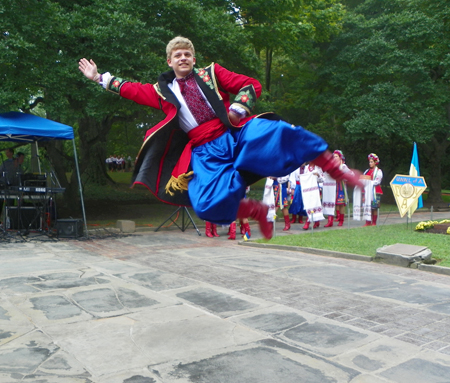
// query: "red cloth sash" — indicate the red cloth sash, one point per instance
point(200, 135)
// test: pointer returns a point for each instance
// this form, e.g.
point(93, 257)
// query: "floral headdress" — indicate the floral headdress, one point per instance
point(374, 157)
point(340, 154)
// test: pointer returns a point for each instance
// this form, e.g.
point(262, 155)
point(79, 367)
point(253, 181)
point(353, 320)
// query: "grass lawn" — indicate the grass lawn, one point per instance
point(366, 240)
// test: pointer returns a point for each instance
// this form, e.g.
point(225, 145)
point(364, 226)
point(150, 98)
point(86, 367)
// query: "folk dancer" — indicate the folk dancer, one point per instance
point(297, 208)
point(376, 175)
point(282, 191)
point(309, 182)
point(208, 144)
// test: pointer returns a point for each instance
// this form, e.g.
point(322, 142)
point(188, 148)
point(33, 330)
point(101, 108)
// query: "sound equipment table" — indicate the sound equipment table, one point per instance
point(29, 192)
point(29, 207)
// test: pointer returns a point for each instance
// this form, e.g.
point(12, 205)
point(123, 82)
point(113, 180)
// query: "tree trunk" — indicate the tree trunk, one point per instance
point(435, 151)
point(269, 57)
point(93, 154)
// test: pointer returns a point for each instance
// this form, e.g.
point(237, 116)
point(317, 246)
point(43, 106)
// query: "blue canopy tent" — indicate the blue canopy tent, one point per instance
point(23, 127)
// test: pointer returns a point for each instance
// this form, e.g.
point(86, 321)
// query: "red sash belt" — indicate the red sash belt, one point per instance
point(200, 135)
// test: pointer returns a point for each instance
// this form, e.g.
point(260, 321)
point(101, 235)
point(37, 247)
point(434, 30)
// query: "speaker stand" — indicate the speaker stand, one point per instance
point(184, 222)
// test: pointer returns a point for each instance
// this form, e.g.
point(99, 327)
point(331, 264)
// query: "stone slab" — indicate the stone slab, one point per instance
point(402, 255)
point(348, 278)
point(126, 226)
point(326, 338)
point(404, 249)
point(260, 364)
point(417, 370)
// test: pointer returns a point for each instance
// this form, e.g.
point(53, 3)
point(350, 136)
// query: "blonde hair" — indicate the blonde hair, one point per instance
point(179, 42)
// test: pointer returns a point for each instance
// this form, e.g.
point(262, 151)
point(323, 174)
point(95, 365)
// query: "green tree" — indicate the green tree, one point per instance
point(42, 40)
point(384, 82)
point(287, 27)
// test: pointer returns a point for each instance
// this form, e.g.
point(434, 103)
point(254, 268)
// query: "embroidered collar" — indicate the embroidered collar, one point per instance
point(188, 77)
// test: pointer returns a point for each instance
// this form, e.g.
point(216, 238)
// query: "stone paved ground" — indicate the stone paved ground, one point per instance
point(175, 307)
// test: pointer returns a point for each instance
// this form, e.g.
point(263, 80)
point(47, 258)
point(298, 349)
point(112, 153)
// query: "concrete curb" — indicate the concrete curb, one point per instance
point(328, 253)
point(338, 254)
point(434, 269)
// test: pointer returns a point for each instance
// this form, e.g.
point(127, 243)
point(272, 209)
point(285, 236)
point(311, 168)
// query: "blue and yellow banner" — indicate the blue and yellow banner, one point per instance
point(414, 171)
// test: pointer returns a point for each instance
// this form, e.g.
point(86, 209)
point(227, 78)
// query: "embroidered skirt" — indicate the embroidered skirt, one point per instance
point(376, 202)
point(280, 191)
point(264, 147)
point(340, 194)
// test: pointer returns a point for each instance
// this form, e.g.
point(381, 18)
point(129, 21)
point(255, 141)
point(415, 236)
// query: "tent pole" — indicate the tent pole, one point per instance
point(35, 161)
point(80, 188)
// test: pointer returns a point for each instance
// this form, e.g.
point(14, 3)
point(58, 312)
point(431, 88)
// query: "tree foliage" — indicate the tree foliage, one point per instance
point(372, 78)
point(287, 27)
point(42, 41)
point(384, 81)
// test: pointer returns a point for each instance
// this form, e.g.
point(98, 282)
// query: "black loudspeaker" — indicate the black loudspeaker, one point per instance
point(69, 228)
point(23, 218)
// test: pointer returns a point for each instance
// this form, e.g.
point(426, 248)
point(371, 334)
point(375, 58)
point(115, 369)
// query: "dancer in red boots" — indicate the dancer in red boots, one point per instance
point(377, 176)
point(309, 182)
point(281, 190)
point(217, 145)
point(341, 188)
point(341, 191)
point(244, 225)
point(297, 208)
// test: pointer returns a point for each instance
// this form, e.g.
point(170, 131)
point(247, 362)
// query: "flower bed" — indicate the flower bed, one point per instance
point(440, 227)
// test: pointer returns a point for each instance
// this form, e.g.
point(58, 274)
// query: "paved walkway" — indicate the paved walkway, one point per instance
point(173, 306)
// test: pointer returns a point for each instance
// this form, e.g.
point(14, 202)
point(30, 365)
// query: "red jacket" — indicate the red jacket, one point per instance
point(165, 141)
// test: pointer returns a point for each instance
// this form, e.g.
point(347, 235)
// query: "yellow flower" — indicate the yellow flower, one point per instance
point(426, 225)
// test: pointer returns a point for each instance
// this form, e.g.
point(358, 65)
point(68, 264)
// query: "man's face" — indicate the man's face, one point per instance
point(9, 153)
point(182, 62)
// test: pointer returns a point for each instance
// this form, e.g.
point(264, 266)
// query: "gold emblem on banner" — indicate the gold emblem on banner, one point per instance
point(407, 190)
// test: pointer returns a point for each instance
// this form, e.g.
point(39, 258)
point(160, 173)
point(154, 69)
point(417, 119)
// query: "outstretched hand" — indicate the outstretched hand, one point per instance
point(89, 69)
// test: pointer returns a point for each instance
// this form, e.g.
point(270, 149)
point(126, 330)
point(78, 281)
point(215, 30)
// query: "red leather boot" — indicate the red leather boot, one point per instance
point(306, 226)
point(294, 218)
point(250, 208)
point(374, 219)
point(330, 221)
point(300, 219)
point(341, 219)
point(316, 224)
point(287, 223)
point(208, 229)
point(338, 213)
point(232, 231)
point(247, 230)
point(214, 230)
point(368, 223)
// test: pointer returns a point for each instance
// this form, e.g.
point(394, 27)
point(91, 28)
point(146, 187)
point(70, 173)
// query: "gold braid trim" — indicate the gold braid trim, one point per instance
point(180, 183)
